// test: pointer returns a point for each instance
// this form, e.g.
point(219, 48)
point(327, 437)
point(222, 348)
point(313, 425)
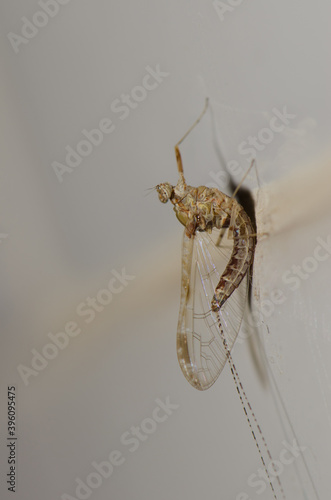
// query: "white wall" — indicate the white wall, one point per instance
point(61, 241)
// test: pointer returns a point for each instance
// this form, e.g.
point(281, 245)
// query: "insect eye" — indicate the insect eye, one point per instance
point(164, 192)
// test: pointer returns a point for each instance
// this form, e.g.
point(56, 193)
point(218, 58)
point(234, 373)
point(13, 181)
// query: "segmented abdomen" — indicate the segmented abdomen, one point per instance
point(240, 260)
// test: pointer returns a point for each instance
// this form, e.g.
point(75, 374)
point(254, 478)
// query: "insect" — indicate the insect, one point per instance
point(212, 302)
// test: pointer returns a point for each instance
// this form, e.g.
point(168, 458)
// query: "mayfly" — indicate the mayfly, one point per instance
point(212, 301)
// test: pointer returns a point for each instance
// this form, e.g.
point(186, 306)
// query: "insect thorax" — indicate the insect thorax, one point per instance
point(201, 208)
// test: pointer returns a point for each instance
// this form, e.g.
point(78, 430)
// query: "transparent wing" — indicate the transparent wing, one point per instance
point(202, 333)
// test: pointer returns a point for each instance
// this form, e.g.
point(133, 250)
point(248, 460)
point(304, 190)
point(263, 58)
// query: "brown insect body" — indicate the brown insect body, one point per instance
point(214, 280)
point(202, 209)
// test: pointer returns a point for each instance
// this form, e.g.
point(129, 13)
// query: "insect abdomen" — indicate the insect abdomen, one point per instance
point(240, 260)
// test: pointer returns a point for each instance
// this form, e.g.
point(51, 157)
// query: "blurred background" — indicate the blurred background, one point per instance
point(93, 98)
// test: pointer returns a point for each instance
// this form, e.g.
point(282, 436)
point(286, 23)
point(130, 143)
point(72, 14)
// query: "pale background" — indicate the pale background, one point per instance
point(64, 239)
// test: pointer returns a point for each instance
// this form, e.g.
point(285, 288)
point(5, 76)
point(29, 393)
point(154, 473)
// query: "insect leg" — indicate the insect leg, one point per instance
point(223, 229)
point(177, 152)
point(253, 163)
